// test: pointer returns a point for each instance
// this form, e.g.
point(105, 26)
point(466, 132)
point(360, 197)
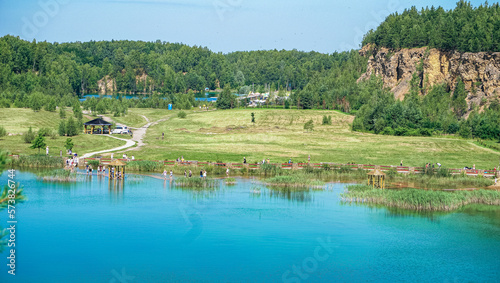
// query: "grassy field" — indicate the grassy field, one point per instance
point(279, 135)
point(18, 120)
point(134, 117)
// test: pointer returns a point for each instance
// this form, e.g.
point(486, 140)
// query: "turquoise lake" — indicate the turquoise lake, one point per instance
point(147, 230)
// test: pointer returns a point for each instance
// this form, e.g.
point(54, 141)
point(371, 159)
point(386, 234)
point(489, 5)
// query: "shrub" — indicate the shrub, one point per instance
point(62, 113)
point(3, 132)
point(388, 131)
point(29, 136)
point(182, 115)
point(44, 132)
point(309, 125)
point(400, 131)
point(327, 120)
point(62, 128)
point(425, 132)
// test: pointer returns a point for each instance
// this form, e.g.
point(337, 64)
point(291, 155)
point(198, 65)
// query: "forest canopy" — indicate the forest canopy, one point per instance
point(465, 28)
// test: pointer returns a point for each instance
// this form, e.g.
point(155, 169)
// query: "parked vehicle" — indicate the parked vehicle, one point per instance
point(120, 130)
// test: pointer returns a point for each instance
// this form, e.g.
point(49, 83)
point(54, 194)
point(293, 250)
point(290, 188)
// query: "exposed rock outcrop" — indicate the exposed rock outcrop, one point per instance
point(480, 71)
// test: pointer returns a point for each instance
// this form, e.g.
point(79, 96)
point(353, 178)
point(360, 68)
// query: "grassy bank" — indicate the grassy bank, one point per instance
point(277, 134)
point(415, 199)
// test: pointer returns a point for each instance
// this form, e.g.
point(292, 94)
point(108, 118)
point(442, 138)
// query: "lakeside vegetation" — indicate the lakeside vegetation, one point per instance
point(416, 199)
point(197, 183)
point(294, 181)
point(58, 175)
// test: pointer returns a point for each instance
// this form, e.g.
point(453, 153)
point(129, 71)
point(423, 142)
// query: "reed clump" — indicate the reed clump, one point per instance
point(197, 183)
point(294, 181)
point(58, 175)
point(230, 181)
point(36, 161)
point(417, 199)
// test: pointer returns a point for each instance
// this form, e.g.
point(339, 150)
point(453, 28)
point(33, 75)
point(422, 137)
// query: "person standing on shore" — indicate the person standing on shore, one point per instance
point(190, 173)
point(171, 174)
point(227, 172)
point(165, 174)
point(205, 174)
point(201, 174)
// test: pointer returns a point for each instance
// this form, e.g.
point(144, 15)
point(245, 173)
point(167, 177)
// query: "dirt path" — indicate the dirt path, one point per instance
point(127, 145)
point(138, 136)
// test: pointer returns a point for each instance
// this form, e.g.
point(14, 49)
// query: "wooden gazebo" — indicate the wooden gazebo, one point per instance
point(90, 126)
point(116, 167)
point(376, 179)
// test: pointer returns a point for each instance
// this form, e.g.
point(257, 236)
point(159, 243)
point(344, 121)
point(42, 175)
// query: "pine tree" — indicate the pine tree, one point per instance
point(39, 142)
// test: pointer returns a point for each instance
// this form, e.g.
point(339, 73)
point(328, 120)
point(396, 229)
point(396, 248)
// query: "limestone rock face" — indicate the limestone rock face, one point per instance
point(480, 71)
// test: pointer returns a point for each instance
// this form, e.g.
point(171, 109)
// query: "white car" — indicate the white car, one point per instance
point(120, 130)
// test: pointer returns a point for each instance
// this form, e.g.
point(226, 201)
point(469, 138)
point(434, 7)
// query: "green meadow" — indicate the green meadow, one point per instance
point(277, 134)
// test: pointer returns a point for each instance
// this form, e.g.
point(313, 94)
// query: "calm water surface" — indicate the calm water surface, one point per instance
point(146, 230)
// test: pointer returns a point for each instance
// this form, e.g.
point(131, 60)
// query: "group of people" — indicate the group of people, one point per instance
point(432, 165)
point(125, 157)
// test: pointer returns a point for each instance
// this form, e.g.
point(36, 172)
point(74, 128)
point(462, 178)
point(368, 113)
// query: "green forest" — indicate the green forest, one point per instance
point(46, 75)
point(465, 28)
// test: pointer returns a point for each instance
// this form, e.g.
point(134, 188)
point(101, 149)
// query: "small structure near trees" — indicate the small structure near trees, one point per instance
point(100, 123)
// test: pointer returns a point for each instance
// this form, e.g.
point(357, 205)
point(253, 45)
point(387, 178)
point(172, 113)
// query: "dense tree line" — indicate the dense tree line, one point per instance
point(148, 67)
point(464, 28)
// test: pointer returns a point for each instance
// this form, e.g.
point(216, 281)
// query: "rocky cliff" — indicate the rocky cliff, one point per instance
point(480, 72)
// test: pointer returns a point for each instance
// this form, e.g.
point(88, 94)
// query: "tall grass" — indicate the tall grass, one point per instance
point(294, 181)
point(57, 175)
point(37, 161)
point(144, 166)
point(197, 183)
point(416, 199)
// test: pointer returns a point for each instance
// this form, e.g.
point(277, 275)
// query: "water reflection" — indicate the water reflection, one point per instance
point(116, 189)
point(294, 195)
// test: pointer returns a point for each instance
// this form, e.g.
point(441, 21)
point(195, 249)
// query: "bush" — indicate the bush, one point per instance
point(309, 125)
point(327, 120)
point(388, 131)
point(29, 136)
point(425, 132)
point(182, 115)
point(44, 132)
point(62, 128)
point(3, 132)
point(400, 131)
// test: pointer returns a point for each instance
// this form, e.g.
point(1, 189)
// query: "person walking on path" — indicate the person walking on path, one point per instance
point(309, 159)
point(47, 151)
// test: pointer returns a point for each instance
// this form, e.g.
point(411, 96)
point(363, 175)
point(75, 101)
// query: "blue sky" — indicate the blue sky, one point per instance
point(221, 25)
